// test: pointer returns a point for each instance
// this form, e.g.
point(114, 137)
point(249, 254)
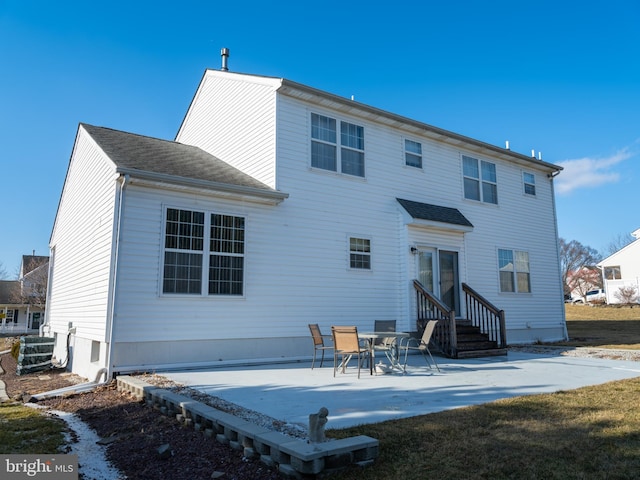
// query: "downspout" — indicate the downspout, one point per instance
point(122, 182)
point(45, 324)
point(551, 176)
point(74, 389)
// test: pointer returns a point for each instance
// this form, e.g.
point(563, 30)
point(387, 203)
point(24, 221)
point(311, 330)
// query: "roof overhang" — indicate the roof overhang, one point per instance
point(449, 227)
point(356, 109)
point(435, 216)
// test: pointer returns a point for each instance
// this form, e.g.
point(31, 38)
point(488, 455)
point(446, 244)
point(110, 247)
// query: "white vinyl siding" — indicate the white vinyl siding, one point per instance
point(82, 237)
point(241, 111)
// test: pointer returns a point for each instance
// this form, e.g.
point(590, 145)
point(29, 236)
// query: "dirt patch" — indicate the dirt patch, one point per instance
point(134, 433)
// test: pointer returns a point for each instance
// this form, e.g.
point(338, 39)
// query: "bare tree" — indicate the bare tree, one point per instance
point(578, 262)
point(3, 272)
point(618, 243)
point(627, 295)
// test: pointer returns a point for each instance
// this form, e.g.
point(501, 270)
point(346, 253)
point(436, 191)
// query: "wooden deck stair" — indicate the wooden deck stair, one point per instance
point(472, 343)
point(482, 334)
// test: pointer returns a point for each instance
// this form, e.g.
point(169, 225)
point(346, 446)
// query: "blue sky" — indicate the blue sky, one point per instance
point(558, 77)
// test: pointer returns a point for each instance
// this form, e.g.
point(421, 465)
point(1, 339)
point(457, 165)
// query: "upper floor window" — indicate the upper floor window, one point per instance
point(360, 253)
point(612, 273)
point(515, 275)
point(345, 156)
point(529, 180)
point(188, 235)
point(413, 153)
point(480, 181)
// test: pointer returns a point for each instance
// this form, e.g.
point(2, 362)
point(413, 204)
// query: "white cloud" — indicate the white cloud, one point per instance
point(590, 172)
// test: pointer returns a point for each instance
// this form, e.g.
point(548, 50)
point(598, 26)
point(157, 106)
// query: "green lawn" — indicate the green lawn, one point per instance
point(603, 326)
point(589, 433)
point(27, 431)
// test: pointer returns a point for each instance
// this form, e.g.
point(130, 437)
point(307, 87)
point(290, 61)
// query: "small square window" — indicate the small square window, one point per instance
point(529, 180)
point(413, 153)
point(612, 273)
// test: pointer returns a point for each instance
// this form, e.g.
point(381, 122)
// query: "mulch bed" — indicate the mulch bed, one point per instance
point(134, 432)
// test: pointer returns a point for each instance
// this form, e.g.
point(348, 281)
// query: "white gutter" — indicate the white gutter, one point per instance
point(266, 193)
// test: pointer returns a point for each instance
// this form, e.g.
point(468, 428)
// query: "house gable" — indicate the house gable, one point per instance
point(218, 122)
point(622, 269)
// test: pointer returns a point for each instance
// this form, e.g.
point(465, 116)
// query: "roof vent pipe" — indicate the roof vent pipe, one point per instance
point(225, 56)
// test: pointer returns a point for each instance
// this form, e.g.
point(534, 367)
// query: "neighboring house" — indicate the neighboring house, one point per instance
point(622, 269)
point(22, 301)
point(279, 205)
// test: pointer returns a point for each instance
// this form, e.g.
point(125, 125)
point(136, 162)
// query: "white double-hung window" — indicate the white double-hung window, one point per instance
point(360, 253)
point(480, 180)
point(515, 275)
point(529, 182)
point(343, 153)
point(203, 249)
point(413, 153)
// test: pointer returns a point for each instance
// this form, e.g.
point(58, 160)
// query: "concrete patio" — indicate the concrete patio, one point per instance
point(290, 392)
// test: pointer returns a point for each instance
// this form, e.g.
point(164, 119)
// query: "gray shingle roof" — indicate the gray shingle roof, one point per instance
point(147, 154)
point(434, 213)
point(9, 289)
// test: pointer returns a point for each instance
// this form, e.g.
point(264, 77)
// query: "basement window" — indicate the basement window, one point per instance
point(95, 351)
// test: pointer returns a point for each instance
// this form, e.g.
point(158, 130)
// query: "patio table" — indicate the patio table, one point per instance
point(394, 359)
